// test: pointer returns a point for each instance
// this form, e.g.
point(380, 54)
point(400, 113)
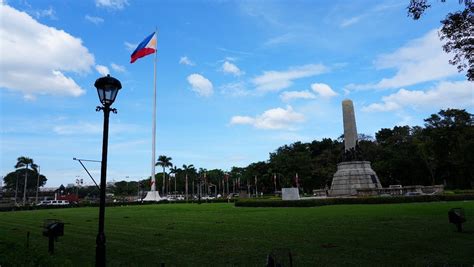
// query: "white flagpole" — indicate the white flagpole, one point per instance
point(153, 186)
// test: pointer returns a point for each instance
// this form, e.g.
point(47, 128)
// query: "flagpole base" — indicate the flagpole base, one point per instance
point(153, 196)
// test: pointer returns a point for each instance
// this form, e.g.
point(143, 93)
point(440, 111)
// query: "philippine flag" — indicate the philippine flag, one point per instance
point(146, 47)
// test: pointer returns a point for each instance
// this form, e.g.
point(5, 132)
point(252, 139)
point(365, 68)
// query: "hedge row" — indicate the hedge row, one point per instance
point(355, 200)
point(110, 204)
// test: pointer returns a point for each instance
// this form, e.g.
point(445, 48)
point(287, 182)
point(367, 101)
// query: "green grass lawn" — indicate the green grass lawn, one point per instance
point(221, 234)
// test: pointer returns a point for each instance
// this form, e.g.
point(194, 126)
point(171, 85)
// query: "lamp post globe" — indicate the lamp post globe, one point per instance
point(107, 89)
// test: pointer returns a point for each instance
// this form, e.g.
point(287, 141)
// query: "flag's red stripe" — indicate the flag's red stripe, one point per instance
point(141, 53)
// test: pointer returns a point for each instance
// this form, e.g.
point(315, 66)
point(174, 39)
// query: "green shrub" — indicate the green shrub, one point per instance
point(355, 200)
point(111, 204)
point(464, 192)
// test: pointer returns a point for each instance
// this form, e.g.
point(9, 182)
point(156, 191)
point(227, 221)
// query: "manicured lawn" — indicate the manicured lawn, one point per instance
point(221, 234)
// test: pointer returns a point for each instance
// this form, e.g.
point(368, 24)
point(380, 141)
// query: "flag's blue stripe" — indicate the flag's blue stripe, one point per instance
point(143, 43)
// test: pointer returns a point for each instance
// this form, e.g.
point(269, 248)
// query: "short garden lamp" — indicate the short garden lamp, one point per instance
point(456, 216)
point(107, 88)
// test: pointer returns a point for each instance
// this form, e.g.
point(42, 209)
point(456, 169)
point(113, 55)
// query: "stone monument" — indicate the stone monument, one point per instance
point(352, 173)
point(290, 193)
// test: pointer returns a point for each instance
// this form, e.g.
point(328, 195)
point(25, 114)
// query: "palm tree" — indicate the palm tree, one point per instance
point(187, 168)
point(164, 162)
point(175, 171)
point(202, 177)
point(25, 162)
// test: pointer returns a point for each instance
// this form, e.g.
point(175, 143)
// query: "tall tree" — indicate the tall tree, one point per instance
point(291, 160)
point(10, 180)
point(175, 170)
point(25, 162)
point(449, 138)
point(187, 170)
point(457, 31)
point(202, 178)
point(164, 162)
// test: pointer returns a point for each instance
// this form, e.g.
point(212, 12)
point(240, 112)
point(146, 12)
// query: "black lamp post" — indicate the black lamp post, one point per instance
point(107, 88)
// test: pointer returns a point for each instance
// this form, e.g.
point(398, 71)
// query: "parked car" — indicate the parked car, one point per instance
point(53, 203)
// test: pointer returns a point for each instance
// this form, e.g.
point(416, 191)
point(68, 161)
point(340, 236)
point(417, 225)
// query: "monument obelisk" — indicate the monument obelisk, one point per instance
point(352, 173)
point(350, 128)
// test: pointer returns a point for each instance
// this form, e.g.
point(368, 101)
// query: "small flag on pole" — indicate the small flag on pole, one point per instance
point(145, 48)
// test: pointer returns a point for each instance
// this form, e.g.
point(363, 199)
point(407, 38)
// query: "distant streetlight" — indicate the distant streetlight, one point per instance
point(107, 89)
point(79, 183)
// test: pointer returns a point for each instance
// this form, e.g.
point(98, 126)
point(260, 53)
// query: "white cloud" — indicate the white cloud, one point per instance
point(290, 95)
point(78, 129)
point(48, 13)
point(112, 4)
point(186, 61)
point(235, 89)
point(231, 68)
point(351, 21)
point(272, 119)
point(130, 47)
point(200, 84)
point(323, 90)
point(38, 56)
point(420, 60)
point(117, 68)
point(281, 39)
point(276, 80)
point(242, 120)
point(370, 13)
point(458, 94)
point(88, 128)
point(95, 20)
point(103, 70)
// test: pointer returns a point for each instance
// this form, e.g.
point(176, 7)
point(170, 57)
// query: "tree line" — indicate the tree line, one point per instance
point(440, 152)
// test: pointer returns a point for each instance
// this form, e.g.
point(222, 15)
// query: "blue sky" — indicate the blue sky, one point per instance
point(235, 79)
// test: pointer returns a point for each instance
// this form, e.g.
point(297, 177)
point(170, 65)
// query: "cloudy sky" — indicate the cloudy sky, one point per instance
point(235, 79)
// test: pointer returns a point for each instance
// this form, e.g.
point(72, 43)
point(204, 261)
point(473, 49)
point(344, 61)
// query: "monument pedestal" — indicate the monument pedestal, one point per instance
point(353, 175)
point(291, 193)
point(152, 196)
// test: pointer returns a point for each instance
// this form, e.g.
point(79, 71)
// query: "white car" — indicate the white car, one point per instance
point(53, 203)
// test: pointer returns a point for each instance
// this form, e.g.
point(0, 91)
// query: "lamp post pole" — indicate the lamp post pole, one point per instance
point(100, 240)
point(107, 88)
